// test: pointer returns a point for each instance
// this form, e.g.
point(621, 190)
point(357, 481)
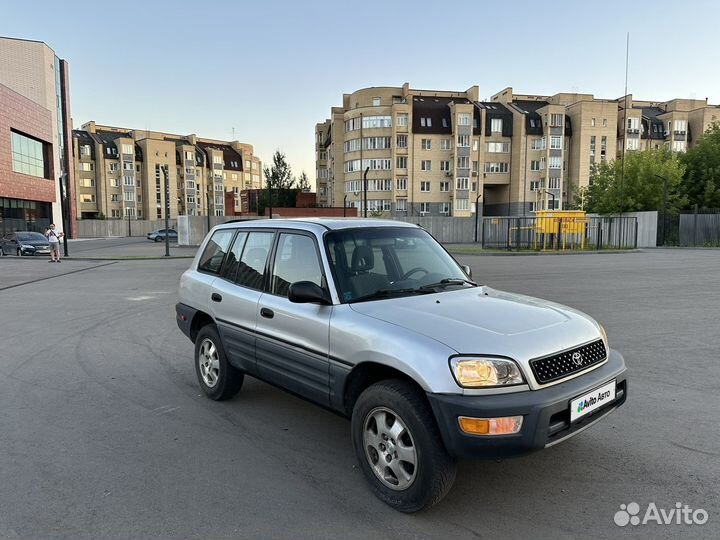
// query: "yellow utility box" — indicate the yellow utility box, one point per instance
point(571, 225)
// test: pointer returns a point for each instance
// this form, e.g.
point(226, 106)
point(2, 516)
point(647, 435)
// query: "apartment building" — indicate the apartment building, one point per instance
point(675, 125)
point(35, 137)
point(432, 152)
point(120, 173)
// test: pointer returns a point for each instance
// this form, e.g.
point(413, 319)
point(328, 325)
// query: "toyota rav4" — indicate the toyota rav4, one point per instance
point(375, 320)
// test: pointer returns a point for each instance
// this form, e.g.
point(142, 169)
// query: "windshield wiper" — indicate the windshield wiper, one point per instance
point(387, 293)
point(447, 282)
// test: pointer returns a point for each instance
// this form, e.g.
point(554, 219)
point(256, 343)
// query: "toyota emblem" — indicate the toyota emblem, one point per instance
point(577, 358)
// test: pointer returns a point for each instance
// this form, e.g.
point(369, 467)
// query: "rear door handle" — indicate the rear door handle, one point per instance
point(215, 297)
point(267, 313)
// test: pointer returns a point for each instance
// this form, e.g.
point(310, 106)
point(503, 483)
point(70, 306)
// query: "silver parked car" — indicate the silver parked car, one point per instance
point(375, 320)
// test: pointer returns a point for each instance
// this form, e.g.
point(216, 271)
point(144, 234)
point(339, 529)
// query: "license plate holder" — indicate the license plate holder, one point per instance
point(584, 404)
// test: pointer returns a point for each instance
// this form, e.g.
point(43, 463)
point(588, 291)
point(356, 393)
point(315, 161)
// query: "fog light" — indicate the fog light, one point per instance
point(505, 425)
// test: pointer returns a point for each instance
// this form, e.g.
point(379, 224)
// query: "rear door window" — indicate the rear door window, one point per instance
point(251, 270)
point(212, 258)
point(296, 259)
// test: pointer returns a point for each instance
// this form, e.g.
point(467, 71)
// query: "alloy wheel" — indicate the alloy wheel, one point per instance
point(209, 363)
point(390, 448)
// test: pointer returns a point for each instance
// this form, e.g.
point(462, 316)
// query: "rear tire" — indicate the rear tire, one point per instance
point(218, 379)
point(399, 447)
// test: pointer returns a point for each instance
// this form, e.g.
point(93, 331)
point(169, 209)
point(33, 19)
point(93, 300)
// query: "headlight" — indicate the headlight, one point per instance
point(603, 333)
point(27, 247)
point(485, 372)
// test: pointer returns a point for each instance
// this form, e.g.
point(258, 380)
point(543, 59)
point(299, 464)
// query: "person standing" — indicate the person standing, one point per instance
point(54, 235)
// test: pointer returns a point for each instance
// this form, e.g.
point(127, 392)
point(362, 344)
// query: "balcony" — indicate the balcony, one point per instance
point(633, 131)
point(680, 132)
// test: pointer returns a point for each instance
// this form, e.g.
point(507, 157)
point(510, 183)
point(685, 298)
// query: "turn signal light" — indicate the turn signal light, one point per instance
point(505, 425)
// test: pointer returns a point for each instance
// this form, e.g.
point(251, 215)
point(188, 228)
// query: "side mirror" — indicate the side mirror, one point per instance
point(467, 270)
point(307, 292)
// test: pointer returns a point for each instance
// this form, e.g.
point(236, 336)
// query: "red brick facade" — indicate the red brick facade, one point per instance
point(23, 115)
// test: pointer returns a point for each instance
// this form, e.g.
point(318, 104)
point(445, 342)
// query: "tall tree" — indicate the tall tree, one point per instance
point(303, 183)
point(279, 175)
point(701, 184)
point(647, 174)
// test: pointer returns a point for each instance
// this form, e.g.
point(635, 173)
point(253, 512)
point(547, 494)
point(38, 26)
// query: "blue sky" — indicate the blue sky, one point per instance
point(271, 70)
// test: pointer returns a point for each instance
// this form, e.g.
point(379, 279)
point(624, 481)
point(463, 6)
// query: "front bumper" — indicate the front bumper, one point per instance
point(546, 414)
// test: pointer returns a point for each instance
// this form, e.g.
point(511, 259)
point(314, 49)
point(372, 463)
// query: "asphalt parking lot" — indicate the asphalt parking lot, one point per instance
point(104, 433)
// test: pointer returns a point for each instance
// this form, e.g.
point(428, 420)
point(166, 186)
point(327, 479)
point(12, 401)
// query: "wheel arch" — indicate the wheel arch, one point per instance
point(368, 373)
point(199, 320)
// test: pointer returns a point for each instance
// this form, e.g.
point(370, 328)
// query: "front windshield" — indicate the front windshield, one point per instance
point(30, 236)
point(381, 262)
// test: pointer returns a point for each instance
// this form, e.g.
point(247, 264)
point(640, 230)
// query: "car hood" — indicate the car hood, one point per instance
point(34, 243)
point(481, 320)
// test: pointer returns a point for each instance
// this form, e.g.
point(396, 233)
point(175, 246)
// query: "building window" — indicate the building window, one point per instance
point(475, 167)
point(426, 144)
point(556, 120)
point(402, 162)
point(493, 168)
point(376, 102)
point(402, 184)
point(85, 150)
point(401, 205)
point(535, 185)
point(555, 142)
point(127, 149)
point(554, 182)
point(633, 125)
point(680, 127)
point(129, 196)
point(86, 167)
point(127, 166)
point(462, 204)
point(113, 167)
point(445, 144)
point(463, 119)
point(424, 208)
point(463, 162)
point(502, 147)
point(555, 162)
point(353, 145)
point(445, 208)
point(402, 120)
point(592, 122)
point(444, 186)
point(634, 144)
point(603, 147)
point(604, 122)
point(28, 156)
point(401, 141)
point(370, 122)
point(425, 186)
point(87, 182)
point(496, 125)
point(87, 198)
point(679, 146)
point(426, 165)
point(463, 182)
point(475, 145)
point(128, 181)
point(425, 121)
point(538, 144)
point(445, 166)
point(376, 164)
point(463, 141)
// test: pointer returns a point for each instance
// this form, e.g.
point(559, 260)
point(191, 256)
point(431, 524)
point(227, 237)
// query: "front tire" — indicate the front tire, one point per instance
point(399, 447)
point(218, 379)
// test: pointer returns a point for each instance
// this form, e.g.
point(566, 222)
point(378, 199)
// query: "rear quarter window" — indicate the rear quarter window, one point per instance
point(214, 253)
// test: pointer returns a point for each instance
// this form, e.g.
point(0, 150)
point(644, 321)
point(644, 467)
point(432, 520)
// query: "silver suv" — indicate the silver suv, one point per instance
point(375, 320)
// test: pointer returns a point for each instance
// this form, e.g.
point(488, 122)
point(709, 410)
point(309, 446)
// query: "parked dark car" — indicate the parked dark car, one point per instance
point(24, 243)
point(159, 235)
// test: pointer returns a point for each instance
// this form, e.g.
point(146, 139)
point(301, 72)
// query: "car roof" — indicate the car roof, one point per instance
point(319, 225)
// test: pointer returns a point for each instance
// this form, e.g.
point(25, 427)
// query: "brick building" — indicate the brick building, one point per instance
point(35, 137)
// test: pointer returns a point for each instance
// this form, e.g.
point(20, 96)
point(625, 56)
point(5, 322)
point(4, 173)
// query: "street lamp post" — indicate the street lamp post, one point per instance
point(345, 205)
point(477, 214)
point(365, 189)
point(166, 174)
point(64, 207)
point(553, 198)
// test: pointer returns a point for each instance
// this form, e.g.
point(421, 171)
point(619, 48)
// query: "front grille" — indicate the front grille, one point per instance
point(558, 366)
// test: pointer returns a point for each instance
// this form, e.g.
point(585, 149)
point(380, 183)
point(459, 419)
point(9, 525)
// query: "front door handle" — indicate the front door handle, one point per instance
point(267, 313)
point(215, 297)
